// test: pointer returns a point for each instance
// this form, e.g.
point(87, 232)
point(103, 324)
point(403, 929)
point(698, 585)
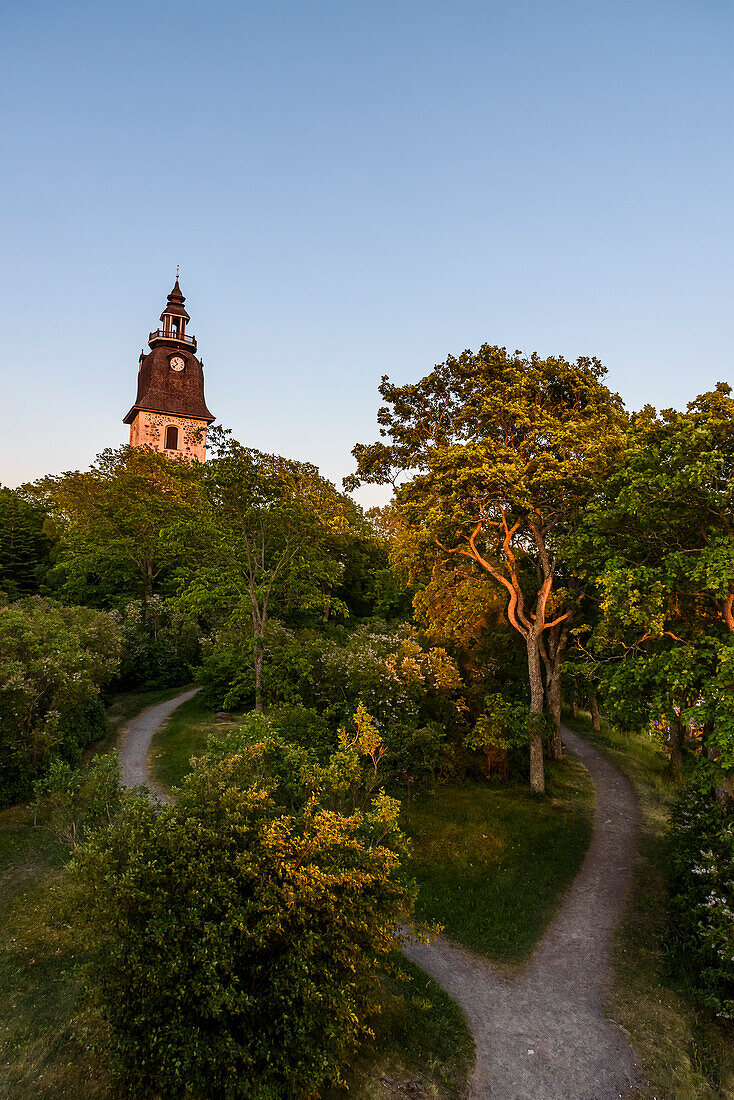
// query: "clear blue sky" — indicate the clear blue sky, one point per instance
point(355, 189)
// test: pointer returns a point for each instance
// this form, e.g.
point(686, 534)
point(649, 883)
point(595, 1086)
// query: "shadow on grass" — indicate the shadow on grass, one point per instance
point(493, 861)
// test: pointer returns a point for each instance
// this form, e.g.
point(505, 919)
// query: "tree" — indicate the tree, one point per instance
point(243, 928)
point(658, 543)
point(115, 524)
point(25, 547)
point(497, 456)
point(262, 541)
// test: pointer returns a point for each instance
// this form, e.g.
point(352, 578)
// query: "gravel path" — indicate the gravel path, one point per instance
point(136, 737)
point(542, 1035)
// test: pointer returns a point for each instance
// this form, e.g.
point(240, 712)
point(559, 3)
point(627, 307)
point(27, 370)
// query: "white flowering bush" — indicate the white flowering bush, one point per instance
point(702, 893)
point(389, 672)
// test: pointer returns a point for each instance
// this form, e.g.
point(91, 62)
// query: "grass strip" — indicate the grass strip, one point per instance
point(422, 1046)
point(494, 861)
point(181, 737)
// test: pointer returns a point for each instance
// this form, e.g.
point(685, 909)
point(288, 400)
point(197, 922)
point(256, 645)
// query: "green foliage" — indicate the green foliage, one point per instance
point(74, 802)
point(116, 525)
point(244, 927)
point(305, 727)
point(262, 544)
point(160, 645)
point(412, 692)
point(25, 548)
point(53, 662)
point(701, 847)
point(369, 585)
point(502, 728)
point(657, 543)
point(290, 663)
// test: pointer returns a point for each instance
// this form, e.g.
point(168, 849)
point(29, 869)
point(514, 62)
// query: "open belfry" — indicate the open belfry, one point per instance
point(170, 412)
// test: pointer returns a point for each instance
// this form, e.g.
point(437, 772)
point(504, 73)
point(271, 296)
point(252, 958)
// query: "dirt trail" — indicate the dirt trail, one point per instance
point(135, 739)
point(542, 1034)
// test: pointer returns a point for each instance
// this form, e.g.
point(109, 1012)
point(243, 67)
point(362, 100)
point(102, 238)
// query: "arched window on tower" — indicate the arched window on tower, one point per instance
point(171, 438)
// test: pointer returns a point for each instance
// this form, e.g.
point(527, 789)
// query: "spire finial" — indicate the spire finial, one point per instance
point(177, 266)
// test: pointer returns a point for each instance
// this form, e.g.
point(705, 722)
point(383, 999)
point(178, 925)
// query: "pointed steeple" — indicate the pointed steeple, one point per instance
point(175, 305)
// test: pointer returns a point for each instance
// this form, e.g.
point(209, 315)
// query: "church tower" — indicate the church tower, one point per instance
point(170, 412)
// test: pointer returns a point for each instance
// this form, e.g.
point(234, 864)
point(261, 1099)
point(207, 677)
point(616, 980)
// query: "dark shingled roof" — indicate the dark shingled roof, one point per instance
point(176, 303)
point(160, 389)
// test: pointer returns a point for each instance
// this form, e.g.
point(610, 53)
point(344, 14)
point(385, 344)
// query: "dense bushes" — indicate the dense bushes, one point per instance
point(53, 662)
point(413, 693)
point(702, 893)
point(159, 645)
point(243, 928)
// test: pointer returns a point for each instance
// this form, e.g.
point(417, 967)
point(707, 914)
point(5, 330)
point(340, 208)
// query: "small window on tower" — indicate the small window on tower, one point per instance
point(171, 438)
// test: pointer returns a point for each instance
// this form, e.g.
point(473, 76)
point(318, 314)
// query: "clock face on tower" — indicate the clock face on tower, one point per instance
point(176, 363)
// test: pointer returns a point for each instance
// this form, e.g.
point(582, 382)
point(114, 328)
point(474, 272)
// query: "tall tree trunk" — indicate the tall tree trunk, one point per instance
point(552, 653)
point(573, 707)
point(594, 708)
point(537, 770)
point(677, 733)
point(258, 654)
point(555, 745)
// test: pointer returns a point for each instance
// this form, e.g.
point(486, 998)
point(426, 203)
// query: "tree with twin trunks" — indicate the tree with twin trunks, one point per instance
point(496, 456)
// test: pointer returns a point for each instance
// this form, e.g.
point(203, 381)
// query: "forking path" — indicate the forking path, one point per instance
point(542, 1033)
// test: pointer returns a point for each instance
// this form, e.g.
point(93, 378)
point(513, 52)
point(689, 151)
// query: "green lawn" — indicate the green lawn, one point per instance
point(45, 1028)
point(684, 1055)
point(493, 860)
point(181, 737)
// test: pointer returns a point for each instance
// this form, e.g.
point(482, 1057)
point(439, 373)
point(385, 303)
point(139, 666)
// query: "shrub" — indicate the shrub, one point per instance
point(305, 727)
point(53, 662)
point(503, 728)
point(244, 927)
point(74, 802)
point(701, 847)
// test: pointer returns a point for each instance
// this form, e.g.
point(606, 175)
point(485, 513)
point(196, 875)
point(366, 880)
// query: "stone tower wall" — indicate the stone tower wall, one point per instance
point(148, 429)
